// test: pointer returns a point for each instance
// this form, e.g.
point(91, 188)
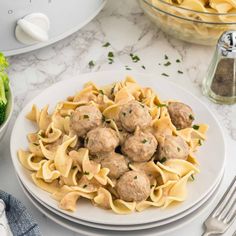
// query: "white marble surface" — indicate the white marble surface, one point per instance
point(123, 24)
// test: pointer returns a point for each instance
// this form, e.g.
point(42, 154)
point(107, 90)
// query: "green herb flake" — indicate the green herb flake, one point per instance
point(86, 173)
point(91, 64)
point(143, 67)
point(85, 186)
point(86, 116)
point(36, 144)
point(164, 74)
point(196, 127)
point(142, 105)
point(163, 160)
point(178, 61)
point(112, 89)
point(166, 57)
point(108, 121)
point(107, 44)
point(167, 63)
point(200, 142)
point(127, 68)
point(101, 92)
point(178, 149)
point(110, 54)
point(135, 58)
point(180, 72)
point(191, 117)
point(144, 140)
point(161, 105)
point(151, 186)
point(103, 118)
point(192, 178)
point(124, 114)
point(135, 177)
point(130, 111)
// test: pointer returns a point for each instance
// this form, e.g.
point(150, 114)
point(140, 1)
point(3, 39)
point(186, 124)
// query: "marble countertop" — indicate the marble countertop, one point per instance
point(123, 24)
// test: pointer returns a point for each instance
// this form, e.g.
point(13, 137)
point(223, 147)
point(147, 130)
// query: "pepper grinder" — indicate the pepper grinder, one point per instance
point(219, 83)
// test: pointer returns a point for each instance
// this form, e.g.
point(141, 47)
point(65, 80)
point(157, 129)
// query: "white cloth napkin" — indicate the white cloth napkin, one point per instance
point(4, 226)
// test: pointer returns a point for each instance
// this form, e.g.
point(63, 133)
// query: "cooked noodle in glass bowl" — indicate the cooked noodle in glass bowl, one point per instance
point(194, 21)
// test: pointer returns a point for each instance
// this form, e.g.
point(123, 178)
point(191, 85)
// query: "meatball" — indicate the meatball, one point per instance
point(140, 147)
point(84, 119)
point(173, 147)
point(133, 186)
point(116, 163)
point(101, 140)
point(134, 114)
point(181, 115)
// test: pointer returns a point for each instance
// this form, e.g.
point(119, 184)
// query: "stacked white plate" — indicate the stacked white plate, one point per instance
point(90, 220)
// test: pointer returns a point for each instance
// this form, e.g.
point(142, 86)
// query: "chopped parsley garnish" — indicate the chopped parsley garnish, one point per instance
point(200, 142)
point(36, 144)
point(101, 91)
point(86, 173)
point(112, 89)
point(161, 105)
point(144, 140)
point(164, 74)
point(178, 149)
point(103, 118)
point(141, 105)
point(124, 114)
point(196, 127)
point(108, 121)
point(178, 61)
point(180, 72)
point(110, 54)
point(130, 111)
point(91, 64)
point(85, 186)
point(127, 68)
point(151, 186)
point(163, 160)
point(135, 177)
point(107, 44)
point(191, 117)
point(135, 58)
point(86, 116)
point(167, 63)
point(166, 57)
point(143, 67)
point(192, 177)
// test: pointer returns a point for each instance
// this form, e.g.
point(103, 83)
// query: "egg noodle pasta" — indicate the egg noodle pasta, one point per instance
point(119, 146)
point(198, 21)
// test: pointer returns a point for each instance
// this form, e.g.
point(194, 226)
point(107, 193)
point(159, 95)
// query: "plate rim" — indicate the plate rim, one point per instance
point(129, 227)
point(171, 229)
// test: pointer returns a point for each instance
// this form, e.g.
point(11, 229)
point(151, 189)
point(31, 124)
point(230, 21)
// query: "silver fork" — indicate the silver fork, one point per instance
point(223, 216)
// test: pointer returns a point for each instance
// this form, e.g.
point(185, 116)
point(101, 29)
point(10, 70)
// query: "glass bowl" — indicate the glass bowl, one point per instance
point(189, 25)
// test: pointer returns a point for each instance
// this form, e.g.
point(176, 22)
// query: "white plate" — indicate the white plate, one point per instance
point(128, 227)
point(211, 155)
point(88, 231)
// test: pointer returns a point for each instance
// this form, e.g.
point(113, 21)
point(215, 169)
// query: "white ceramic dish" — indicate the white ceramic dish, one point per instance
point(127, 227)
point(88, 231)
point(10, 108)
point(211, 156)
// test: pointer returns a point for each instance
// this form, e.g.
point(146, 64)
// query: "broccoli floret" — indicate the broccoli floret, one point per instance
point(3, 62)
point(3, 101)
